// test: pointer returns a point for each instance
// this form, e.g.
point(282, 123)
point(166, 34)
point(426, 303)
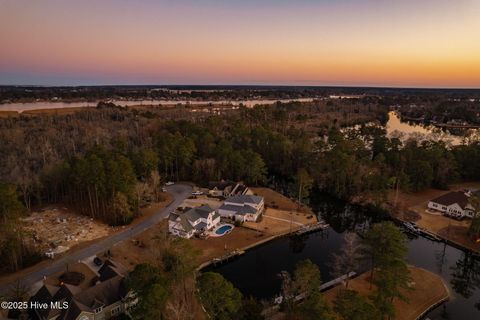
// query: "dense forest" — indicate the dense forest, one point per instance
point(95, 160)
point(444, 112)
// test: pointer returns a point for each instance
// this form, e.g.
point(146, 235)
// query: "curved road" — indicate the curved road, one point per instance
point(179, 191)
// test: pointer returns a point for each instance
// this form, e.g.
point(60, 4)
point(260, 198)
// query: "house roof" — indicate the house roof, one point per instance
point(200, 226)
point(173, 216)
point(111, 269)
point(83, 299)
point(452, 198)
point(245, 198)
point(103, 294)
point(220, 185)
point(181, 220)
point(186, 225)
point(245, 209)
point(198, 212)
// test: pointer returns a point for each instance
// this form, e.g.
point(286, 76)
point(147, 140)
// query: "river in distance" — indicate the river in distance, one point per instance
point(20, 107)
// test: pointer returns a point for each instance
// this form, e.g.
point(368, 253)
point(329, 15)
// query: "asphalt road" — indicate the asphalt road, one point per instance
point(179, 191)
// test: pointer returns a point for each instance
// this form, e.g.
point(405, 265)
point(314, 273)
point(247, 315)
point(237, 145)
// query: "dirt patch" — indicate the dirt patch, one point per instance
point(58, 226)
point(237, 239)
point(200, 201)
point(429, 290)
point(276, 221)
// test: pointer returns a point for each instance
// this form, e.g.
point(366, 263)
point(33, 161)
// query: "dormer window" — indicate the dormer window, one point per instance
point(98, 310)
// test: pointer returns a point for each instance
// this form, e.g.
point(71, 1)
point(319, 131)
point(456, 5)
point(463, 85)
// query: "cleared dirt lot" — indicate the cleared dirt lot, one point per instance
point(58, 226)
point(429, 289)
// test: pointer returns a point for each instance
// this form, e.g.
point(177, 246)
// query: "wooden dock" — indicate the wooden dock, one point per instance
point(227, 257)
point(311, 228)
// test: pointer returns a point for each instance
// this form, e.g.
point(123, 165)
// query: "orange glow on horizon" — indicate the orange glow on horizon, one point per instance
point(433, 44)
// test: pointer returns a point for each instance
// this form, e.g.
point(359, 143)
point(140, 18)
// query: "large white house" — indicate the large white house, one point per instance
point(242, 208)
point(195, 220)
point(454, 204)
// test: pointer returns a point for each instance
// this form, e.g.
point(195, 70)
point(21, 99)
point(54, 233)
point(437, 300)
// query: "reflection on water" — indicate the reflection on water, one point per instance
point(255, 273)
point(404, 130)
point(20, 107)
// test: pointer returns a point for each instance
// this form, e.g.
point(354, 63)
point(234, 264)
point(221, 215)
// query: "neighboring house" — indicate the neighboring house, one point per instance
point(221, 189)
point(242, 208)
point(194, 221)
point(454, 204)
point(101, 297)
point(227, 189)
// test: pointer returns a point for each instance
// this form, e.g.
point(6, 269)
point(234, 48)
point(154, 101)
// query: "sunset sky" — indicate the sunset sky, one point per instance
point(404, 43)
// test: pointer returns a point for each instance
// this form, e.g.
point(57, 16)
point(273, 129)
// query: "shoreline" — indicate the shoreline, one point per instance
point(432, 293)
point(245, 249)
point(448, 241)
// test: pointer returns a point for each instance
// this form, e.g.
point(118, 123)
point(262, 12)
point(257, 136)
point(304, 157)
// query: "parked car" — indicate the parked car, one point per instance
point(197, 193)
point(169, 183)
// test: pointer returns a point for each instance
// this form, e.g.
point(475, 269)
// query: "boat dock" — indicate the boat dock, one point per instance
point(325, 286)
point(414, 229)
point(227, 257)
point(311, 228)
point(334, 282)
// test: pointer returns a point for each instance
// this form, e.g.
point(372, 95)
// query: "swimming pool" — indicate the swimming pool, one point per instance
point(223, 230)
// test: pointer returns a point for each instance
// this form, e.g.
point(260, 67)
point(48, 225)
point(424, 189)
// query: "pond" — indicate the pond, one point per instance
point(255, 273)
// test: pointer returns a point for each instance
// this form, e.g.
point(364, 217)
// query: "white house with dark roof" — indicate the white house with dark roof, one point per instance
point(454, 204)
point(194, 221)
point(242, 208)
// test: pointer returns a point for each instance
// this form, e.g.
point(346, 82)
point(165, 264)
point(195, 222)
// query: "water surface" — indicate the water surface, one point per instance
point(20, 107)
point(256, 272)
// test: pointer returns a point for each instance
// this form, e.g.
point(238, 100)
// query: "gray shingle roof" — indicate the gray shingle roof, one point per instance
point(245, 198)
point(103, 293)
point(198, 212)
point(201, 226)
point(245, 209)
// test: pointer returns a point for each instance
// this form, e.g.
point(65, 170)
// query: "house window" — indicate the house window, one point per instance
point(116, 310)
point(98, 310)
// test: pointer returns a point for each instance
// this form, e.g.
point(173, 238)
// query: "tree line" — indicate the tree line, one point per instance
point(95, 160)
